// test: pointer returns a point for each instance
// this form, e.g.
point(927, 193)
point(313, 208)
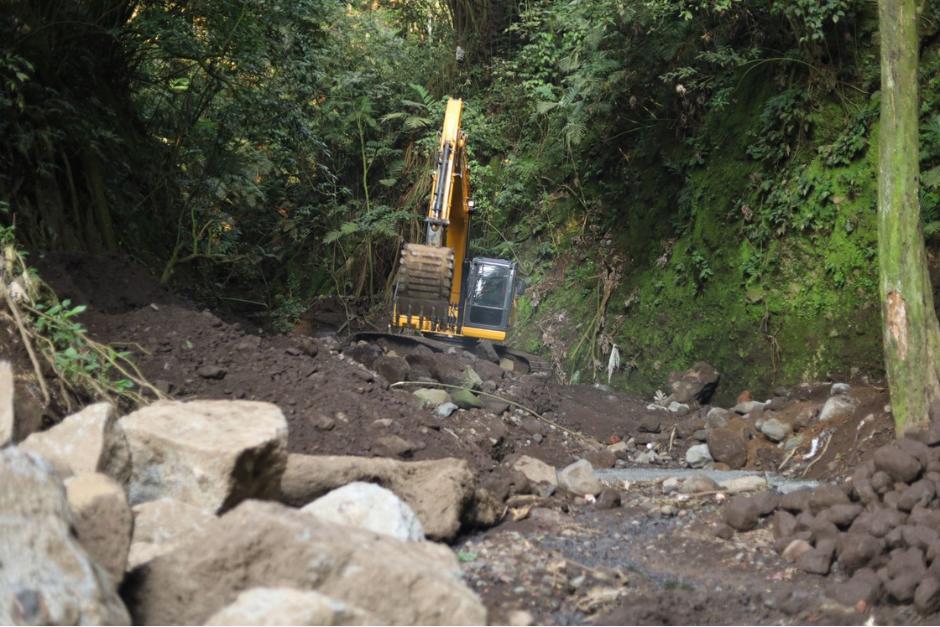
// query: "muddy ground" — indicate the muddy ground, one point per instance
point(554, 559)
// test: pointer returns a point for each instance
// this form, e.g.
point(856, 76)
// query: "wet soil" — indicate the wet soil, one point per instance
point(560, 558)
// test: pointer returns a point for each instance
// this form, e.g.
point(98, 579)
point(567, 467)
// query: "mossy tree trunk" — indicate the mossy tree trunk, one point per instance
point(911, 330)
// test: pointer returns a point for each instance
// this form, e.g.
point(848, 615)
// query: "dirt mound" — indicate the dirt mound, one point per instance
point(334, 403)
point(107, 283)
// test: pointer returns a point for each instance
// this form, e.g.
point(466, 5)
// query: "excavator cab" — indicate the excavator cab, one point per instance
point(491, 288)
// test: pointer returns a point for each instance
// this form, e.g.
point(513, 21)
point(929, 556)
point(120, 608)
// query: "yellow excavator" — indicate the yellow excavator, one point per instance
point(439, 290)
point(441, 294)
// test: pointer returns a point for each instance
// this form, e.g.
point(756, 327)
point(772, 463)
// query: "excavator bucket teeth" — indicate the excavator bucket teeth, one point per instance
point(424, 282)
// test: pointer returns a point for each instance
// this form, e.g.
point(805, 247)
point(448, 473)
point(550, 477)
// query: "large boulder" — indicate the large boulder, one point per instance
point(368, 506)
point(262, 544)
point(87, 442)
point(441, 492)
point(287, 606)
point(727, 446)
point(102, 520)
point(46, 576)
point(159, 527)
point(697, 383)
point(211, 454)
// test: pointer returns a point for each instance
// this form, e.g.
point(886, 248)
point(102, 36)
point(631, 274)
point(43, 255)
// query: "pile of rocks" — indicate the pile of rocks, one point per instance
point(759, 433)
point(195, 513)
point(878, 534)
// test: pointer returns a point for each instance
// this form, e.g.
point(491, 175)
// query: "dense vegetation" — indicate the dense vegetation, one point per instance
point(686, 179)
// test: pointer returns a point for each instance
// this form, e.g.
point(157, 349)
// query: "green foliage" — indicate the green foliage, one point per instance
point(811, 19)
point(74, 358)
point(783, 123)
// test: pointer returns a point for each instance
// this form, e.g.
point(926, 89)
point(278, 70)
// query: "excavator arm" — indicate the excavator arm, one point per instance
point(427, 292)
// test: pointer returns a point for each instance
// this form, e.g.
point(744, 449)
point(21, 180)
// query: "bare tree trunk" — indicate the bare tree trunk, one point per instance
point(911, 330)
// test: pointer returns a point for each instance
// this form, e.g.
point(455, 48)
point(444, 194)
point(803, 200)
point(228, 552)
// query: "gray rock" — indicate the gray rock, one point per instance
point(698, 455)
point(160, 526)
point(471, 379)
point(796, 549)
point(680, 409)
point(287, 606)
point(670, 485)
point(698, 483)
point(650, 424)
point(444, 410)
point(741, 512)
point(746, 407)
point(368, 506)
point(619, 449)
point(86, 442)
point(432, 397)
point(717, 417)
point(865, 585)
point(857, 550)
point(839, 388)
point(536, 470)
point(263, 544)
point(897, 463)
point(211, 454)
point(818, 561)
point(775, 429)
point(697, 383)
point(579, 478)
point(749, 483)
point(727, 446)
point(102, 520)
point(608, 499)
point(47, 577)
point(837, 407)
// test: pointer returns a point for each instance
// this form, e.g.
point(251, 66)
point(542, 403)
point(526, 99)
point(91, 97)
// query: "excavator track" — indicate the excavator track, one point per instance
point(424, 281)
point(526, 363)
